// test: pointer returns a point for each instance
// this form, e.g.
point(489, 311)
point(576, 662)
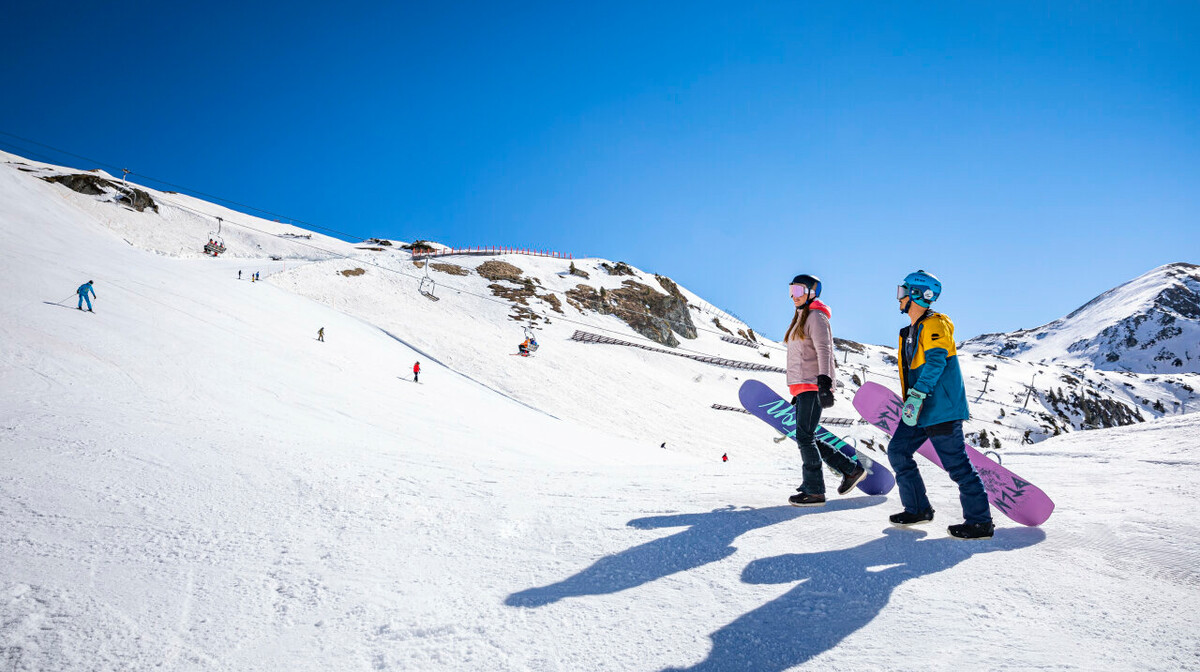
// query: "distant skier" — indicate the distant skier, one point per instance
point(84, 290)
point(810, 371)
point(239, 274)
point(523, 348)
point(725, 457)
point(935, 407)
point(416, 372)
point(321, 334)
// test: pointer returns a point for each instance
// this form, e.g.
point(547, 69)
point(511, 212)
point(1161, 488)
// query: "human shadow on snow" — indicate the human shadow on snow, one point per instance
point(839, 594)
point(709, 538)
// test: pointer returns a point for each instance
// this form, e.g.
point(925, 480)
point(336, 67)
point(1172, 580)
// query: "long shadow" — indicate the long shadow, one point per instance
point(838, 595)
point(709, 538)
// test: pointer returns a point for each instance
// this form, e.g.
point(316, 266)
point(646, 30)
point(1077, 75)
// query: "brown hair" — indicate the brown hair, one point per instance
point(796, 328)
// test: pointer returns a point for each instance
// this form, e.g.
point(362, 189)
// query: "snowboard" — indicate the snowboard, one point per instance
point(762, 402)
point(1015, 497)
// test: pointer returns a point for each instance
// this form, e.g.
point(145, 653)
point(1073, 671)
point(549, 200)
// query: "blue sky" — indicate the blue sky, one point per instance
point(1030, 154)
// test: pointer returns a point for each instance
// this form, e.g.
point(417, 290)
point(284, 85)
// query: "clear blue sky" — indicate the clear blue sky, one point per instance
point(1030, 154)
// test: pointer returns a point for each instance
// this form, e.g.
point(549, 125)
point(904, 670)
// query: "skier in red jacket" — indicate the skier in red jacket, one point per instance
point(416, 372)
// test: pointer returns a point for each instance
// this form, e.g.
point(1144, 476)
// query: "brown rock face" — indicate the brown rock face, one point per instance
point(652, 314)
point(499, 270)
point(452, 269)
point(94, 185)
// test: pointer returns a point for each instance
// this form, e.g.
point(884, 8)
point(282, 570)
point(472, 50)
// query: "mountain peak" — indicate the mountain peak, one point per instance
point(1150, 324)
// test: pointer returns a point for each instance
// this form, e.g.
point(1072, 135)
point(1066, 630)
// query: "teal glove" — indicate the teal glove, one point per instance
point(912, 407)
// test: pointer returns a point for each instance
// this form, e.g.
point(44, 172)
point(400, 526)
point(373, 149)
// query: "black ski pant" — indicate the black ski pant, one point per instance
point(808, 415)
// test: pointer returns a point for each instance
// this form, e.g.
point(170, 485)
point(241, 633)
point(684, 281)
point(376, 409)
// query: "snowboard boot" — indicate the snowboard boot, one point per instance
point(805, 499)
point(972, 530)
point(904, 518)
point(852, 479)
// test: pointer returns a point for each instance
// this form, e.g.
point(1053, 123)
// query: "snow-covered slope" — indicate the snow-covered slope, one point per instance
point(190, 481)
point(1150, 324)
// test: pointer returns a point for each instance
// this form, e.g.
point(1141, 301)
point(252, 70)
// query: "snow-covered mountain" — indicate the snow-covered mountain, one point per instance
point(189, 480)
point(470, 311)
point(1150, 324)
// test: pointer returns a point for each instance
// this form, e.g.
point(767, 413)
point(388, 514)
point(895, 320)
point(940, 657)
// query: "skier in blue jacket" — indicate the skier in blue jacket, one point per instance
point(935, 407)
point(83, 291)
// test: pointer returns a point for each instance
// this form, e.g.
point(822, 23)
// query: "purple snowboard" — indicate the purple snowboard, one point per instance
point(763, 403)
point(1016, 498)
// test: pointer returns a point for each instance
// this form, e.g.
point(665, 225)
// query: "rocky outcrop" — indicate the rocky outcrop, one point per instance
point(1148, 325)
point(352, 272)
point(499, 270)
point(652, 314)
point(94, 185)
point(620, 268)
point(452, 269)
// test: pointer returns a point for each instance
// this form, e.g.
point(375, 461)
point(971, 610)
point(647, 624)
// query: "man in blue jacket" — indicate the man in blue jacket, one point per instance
point(83, 291)
point(935, 407)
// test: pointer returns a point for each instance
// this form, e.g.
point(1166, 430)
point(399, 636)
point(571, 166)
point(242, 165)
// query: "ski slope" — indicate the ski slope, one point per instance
point(190, 481)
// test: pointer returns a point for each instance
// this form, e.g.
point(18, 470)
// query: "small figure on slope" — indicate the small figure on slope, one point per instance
point(935, 406)
point(321, 334)
point(810, 372)
point(84, 290)
point(416, 372)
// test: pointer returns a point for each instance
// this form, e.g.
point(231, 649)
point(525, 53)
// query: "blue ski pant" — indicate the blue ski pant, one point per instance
point(952, 450)
point(808, 415)
point(82, 298)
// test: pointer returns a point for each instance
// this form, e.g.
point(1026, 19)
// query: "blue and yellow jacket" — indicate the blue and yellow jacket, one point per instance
point(929, 363)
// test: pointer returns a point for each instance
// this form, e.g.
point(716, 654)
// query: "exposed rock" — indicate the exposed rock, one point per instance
point(450, 268)
point(353, 271)
point(621, 268)
point(94, 185)
point(575, 271)
point(419, 246)
point(747, 334)
point(553, 300)
point(499, 270)
point(717, 321)
point(843, 344)
point(651, 314)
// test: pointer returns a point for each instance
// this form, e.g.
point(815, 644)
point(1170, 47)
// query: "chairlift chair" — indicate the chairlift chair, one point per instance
point(530, 338)
point(215, 244)
point(428, 285)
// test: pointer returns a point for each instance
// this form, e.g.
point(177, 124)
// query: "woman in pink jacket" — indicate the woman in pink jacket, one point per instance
point(810, 374)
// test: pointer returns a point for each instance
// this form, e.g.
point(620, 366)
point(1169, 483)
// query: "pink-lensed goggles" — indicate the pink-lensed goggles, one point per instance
point(800, 291)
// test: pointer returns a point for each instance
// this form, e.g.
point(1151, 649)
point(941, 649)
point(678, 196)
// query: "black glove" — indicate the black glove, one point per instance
point(825, 391)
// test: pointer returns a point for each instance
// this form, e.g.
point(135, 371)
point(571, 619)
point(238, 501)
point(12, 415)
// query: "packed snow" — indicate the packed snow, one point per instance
point(190, 480)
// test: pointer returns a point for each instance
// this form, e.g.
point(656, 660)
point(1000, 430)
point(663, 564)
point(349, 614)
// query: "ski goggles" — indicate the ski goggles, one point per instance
point(800, 291)
point(902, 292)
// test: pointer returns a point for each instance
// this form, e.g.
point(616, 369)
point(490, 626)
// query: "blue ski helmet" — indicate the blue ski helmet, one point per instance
point(921, 287)
point(810, 281)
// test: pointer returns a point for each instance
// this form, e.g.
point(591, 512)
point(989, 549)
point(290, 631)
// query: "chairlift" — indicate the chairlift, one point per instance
point(530, 338)
point(428, 285)
point(215, 244)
